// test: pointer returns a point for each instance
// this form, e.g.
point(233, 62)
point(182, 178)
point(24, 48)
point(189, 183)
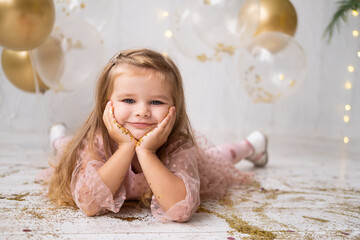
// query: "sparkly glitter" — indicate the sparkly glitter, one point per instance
point(241, 226)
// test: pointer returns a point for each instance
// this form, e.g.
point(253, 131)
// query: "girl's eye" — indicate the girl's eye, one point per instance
point(155, 102)
point(128, 101)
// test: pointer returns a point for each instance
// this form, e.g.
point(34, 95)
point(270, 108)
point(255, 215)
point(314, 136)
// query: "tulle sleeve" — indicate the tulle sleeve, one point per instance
point(183, 163)
point(89, 191)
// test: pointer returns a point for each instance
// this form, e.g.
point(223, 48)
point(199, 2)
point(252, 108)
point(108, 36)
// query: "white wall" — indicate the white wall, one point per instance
point(217, 105)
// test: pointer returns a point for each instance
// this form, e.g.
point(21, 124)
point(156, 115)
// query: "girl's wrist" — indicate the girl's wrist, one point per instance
point(123, 146)
point(144, 153)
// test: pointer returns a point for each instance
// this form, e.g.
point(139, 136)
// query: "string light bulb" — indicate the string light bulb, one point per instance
point(168, 34)
point(281, 76)
point(348, 85)
point(355, 13)
point(358, 53)
point(355, 33)
point(351, 68)
point(346, 118)
point(346, 140)
point(347, 107)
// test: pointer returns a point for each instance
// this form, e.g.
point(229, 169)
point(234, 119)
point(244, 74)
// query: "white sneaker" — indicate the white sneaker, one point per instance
point(259, 142)
point(56, 131)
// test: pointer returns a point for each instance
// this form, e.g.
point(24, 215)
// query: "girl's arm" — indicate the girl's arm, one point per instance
point(96, 185)
point(166, 186)
point(114, 170)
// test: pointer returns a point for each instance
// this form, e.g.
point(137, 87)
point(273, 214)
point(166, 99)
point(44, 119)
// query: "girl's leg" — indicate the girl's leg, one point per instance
point(236, 151)
point(57, 135)
point(254, 149)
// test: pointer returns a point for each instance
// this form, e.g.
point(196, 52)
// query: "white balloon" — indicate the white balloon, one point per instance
point(226, 23)
point(101, 14)
point(185, 38)
point(272, 67)
point(83, 54)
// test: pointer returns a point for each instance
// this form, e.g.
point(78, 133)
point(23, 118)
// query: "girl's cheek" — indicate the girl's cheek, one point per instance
point(163, 113)
point(118, 117)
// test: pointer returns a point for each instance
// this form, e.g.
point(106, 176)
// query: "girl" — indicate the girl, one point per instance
point(137, 143)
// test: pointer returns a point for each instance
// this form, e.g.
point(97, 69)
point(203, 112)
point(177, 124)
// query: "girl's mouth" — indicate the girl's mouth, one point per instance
point(141, 124)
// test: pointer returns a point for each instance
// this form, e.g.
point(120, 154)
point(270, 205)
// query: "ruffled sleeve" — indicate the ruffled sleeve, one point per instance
point(89, 191)
point(182, 161)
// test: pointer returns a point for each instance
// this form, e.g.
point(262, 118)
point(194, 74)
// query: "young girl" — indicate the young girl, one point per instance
point(137, 143)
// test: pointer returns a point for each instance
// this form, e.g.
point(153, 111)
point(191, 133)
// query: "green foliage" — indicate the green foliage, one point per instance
point(341, 14)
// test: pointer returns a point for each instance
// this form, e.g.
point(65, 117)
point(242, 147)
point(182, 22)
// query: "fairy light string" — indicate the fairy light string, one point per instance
point(349, 82)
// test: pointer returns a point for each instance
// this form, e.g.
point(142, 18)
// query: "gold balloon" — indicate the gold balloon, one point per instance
point(18, 69)
point(25, 24)
point(277, 16)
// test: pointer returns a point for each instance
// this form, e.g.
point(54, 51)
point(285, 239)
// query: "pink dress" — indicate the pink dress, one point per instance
point(204, 169)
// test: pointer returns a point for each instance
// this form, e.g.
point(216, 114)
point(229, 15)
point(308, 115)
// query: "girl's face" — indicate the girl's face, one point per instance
point(141, 99)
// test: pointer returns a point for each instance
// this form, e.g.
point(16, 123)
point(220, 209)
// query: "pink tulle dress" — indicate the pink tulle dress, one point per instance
point(205, 170)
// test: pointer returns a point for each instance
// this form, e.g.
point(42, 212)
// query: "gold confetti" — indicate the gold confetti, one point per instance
point(258, 79)
point(202, 58)
point(292, 83)
point(82, 5)
point(226, 49)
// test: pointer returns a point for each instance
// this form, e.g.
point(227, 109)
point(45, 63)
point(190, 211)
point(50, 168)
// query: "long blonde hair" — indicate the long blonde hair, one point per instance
point(59, 186)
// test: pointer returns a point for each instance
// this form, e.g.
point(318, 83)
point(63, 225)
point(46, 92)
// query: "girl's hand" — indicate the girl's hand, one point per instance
point(159, 135)
point(118, 133)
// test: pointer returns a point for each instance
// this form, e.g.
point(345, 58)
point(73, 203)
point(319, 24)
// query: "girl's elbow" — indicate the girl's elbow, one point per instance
point(182, 218)
point(90, 211)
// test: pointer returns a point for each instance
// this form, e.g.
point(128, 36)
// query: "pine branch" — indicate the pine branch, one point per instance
point(340, 14)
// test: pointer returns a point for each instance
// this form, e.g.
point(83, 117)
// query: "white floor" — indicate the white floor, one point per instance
point(309, 190)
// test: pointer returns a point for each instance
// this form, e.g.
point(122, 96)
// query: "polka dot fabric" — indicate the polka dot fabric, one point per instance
point(204, 169)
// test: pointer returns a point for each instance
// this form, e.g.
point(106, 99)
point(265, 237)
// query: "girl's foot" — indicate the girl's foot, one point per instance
point(56, 131)
point(259, 142)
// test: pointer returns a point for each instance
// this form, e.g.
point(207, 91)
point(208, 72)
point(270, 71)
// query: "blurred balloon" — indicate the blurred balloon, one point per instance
point(271, 42)
point(267, 75)
point(277, 16)
point(98, 13)
point(187, 40)
point(75, 51)
point(25, 24)
point(49, 61)
point(229, 23)
point(18, 69)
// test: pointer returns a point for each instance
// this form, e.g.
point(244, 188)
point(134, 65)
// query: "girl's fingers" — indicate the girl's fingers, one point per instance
point(106, 113)
point(167, 124)
point(172, 120)
point(109, 117)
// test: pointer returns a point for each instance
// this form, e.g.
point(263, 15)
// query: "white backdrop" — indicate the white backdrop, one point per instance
point(217, 105)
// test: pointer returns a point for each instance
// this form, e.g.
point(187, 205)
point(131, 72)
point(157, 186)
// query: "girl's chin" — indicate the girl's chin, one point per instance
point(138, 134)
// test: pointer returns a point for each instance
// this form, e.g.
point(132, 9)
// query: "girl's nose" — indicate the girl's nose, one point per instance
point(143, 110)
